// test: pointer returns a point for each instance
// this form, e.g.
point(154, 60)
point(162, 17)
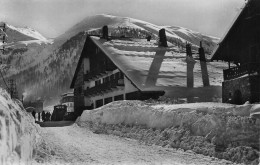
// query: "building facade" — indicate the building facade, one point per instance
point(68, 100)
point(241, 49)
point(121, 68)
point(99, 81)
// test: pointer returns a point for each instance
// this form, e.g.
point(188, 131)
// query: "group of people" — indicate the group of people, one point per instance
point(42, 116)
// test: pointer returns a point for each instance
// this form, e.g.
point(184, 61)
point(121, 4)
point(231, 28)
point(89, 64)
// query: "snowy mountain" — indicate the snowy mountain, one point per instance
point(44, 68)
point(184, 35)
point(24, 35)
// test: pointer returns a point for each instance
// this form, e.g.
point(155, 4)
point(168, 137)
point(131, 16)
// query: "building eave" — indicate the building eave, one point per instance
point(226, 34)
point(78, 65)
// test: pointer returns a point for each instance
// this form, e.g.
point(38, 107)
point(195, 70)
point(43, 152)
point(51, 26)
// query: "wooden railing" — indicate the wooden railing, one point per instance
point(235, 72)
point(104, 87)
point(92, 75)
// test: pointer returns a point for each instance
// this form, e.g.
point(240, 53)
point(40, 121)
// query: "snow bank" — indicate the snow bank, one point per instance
point(161, 115)
point(18, 132)
point(215, 129)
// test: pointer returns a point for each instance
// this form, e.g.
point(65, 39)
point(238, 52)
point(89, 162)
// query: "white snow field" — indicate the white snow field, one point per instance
point(219, 130)
point(18, 132)
point(78, 145)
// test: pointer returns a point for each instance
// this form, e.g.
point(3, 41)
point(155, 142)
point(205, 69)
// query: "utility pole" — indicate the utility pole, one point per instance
point(3, 35)
point(12, 88)
point(10, 85)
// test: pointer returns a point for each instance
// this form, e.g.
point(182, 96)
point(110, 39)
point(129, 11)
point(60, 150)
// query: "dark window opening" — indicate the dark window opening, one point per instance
point(119, 97)
point(108, 100)
point(99, 103)
point(98, 82)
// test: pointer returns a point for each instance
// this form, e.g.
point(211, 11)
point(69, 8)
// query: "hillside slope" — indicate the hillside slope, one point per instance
point(44, 68)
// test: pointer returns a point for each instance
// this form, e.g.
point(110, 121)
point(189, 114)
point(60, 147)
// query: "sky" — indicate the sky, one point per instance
point(53, 17)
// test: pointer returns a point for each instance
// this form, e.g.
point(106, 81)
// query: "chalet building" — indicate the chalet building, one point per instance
point(241, 47)
point(68, 100)
point(122, 68)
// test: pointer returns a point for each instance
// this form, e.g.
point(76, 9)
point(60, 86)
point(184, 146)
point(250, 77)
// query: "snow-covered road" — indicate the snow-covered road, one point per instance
point(76, 145)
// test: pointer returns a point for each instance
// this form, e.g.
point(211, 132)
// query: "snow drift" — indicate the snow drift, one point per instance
point(18, 132)
point(161, 115)
point(222, 130)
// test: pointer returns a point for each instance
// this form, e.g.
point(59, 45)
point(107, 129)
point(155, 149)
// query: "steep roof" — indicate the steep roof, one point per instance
point(151, 67)
point(217, 54)
point(78, 65)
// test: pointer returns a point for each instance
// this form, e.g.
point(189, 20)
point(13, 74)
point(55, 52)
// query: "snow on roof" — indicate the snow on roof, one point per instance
point(151, 67)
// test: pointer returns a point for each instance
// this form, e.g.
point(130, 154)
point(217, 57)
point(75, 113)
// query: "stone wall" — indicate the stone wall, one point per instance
point(248, 86)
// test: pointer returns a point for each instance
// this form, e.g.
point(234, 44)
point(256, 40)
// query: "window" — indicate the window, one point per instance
point(119, 97)
point(108, 100)
point(79, 90)
point(117, 75)
point(255, 53)
point(121, 75)
point(98, 82)
point(111, 77)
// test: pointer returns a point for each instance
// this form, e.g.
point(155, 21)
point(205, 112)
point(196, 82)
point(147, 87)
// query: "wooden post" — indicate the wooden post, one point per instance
point(105, 32)
point(203, 65)
point(162, 38)
point(190, 66)
point(188, 50)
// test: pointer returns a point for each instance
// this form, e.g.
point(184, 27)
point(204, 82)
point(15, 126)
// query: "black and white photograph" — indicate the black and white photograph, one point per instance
point(129, 82)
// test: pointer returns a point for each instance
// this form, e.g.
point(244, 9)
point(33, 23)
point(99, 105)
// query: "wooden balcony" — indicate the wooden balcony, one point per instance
point(93, 75)
point(104, 87)
point(243, 70)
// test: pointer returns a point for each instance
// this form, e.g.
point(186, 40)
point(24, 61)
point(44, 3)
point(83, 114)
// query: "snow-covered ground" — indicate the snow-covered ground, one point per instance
point(77, 145)
point(18, 132)
point(220, 130)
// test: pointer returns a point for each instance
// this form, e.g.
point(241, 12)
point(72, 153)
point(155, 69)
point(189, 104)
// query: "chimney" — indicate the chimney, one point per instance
point(203, 65)
point(188, 49)
point(162, 38)
point(105, 32)
point(190, 66)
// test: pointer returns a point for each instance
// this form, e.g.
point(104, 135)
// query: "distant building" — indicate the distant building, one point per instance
point(122, 68)
point(68, 100)
point(241, 47)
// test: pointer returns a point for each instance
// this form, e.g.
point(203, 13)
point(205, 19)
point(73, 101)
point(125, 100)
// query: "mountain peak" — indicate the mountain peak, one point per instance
point(28, 31)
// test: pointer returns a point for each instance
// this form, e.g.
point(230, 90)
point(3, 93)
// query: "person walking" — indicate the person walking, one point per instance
point(48, 115)
point(39, 116)
point(43, 116)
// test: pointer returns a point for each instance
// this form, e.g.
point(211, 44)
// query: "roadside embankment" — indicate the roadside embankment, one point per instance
point(220, 130)
point(18, 132)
